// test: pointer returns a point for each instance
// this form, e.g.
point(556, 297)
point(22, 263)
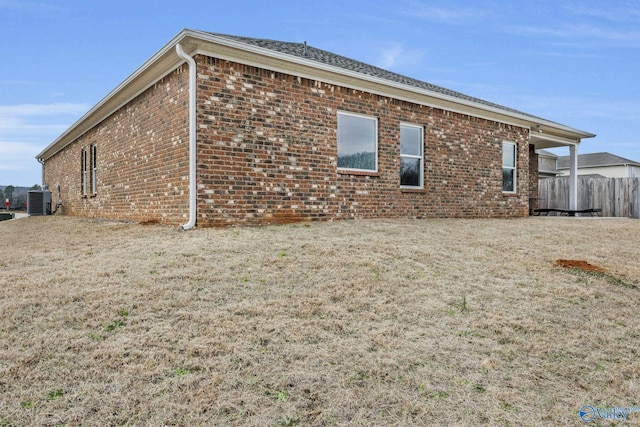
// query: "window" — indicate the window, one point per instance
point(357, 142)
point(411, 170)
point(83, 171)
point(94, 182)
point(509, 174)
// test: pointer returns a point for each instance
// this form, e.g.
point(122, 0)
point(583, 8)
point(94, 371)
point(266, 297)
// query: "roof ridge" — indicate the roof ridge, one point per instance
point(603, 158)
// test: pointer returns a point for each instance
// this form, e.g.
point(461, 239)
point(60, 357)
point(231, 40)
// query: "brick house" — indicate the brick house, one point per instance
point(218, 130)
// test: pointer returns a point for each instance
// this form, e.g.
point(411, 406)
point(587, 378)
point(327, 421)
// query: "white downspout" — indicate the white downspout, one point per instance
point(192, 138)
point(42, 170)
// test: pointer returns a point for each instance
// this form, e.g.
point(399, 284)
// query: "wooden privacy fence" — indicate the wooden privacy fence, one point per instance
point(615, 196)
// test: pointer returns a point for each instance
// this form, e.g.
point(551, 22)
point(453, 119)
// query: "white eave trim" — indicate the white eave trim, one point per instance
point(166, 60)
point(118, 97)
point(617, 165)
point(545, 137)
point(377, 80)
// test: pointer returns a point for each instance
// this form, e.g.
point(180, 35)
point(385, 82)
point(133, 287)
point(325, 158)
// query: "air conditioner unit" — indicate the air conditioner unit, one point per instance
point(39, 202)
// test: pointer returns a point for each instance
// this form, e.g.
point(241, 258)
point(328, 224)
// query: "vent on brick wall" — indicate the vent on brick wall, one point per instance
point(39, 202)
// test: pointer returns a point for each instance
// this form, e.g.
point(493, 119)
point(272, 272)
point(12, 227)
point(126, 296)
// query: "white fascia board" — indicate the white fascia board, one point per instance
point(609, 165)
point(544, 137)
point(166, 60)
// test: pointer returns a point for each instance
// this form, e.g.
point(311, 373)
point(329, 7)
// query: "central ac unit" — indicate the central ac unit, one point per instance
point(39, 202)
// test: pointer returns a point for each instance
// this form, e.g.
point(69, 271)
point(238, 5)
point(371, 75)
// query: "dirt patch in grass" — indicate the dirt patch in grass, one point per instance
point(380, 322)
point(580, 265)
point(583, 267)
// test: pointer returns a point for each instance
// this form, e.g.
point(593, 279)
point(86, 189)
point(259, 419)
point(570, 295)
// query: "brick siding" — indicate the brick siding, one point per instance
point(267, 153)
point(142, 159)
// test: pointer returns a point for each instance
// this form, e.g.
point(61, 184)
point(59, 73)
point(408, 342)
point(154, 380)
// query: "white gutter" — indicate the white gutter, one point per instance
point(192, 137)
point(163, 62)
point(41, 169)
point(288, 58)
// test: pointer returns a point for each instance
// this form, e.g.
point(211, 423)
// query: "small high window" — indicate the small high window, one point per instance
point(94, 168)
point(83, 171)
point(411, 143)
point(509, 170)
point(357, 142)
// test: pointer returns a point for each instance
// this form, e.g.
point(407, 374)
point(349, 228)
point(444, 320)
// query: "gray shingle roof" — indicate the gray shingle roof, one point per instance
point(547, 153)
point(596, 160)
point(332, 59)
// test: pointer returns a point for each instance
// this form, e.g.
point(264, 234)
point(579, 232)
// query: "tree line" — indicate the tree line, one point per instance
point(17, 196)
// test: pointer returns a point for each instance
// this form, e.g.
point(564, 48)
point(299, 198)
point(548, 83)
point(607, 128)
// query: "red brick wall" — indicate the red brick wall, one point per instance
point(142, 159)
point(267, 152)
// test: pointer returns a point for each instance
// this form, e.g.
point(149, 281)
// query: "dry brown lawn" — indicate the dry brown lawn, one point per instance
point(366, 322)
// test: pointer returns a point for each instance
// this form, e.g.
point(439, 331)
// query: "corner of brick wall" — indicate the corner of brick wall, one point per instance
point(142, 159)
point(533, 179)
point(267, 153)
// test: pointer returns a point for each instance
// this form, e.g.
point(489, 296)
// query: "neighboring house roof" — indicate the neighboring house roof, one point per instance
point(545, 153)
point(592, 175)
point(544, 158)
point(595, 160)
point(302, 60)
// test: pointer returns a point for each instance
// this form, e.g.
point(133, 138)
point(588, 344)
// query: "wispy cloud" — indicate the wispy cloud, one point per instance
point(395, 56)
point(8, 148)
point(583, 24)
point(25, 129)
point(583, 108)
point(450, 14)
point(571, 55)
point(390, 56)
point(572, 24)
point(478, 90)
point(29, 6)
point(579, 33)
point(617, 12)
point(42, 109)
point(17, 163)
point(23, 121)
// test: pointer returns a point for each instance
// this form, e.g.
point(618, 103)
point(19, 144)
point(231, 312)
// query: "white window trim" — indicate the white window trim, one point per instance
point(412, 156)
point(514, 168)
point(362, 116)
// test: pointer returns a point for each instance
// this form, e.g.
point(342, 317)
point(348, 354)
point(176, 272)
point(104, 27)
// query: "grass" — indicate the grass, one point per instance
point(377, 322)
point(54, 394)
point(612, 279)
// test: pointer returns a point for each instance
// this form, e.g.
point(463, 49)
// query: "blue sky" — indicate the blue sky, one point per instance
point(573, 62)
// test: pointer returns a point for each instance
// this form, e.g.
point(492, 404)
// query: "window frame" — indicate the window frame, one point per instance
point(93, 160)
point(514, 168)
point(83, 171)
point(375, 143)
point(420, 157)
